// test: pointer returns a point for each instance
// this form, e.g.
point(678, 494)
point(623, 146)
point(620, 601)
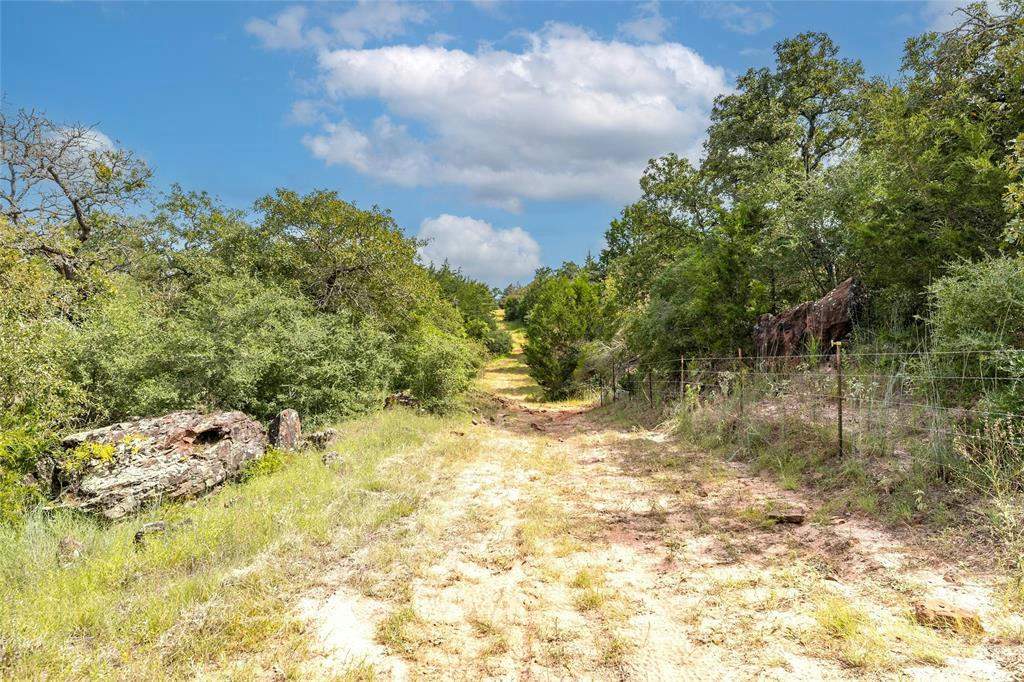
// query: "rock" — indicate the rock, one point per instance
point(69, 551)
point(321, 439)
point(828, 319)
point(149, 529)
point(176, 456)
point(940, 614)
point(159, 527)
point(794, 515)
point(286, 430)
point(402, 399)
point(330, 456)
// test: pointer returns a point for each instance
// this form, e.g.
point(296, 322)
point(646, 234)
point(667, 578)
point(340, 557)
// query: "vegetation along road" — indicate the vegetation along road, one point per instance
point(567, 544)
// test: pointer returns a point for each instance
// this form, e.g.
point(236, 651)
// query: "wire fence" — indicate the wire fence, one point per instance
point(876, 400)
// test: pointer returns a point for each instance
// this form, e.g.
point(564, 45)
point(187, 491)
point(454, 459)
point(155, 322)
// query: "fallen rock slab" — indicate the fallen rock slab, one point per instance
point(794, 515)
point(116, 470)
point(940, 614)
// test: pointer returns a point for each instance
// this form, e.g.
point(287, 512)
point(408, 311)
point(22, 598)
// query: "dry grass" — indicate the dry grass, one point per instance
point(216, 594)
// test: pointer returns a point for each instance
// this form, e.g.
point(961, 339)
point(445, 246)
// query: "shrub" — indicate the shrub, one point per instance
point(438, 368)
point(560, 323)
point(977, 316)
point(498, 342)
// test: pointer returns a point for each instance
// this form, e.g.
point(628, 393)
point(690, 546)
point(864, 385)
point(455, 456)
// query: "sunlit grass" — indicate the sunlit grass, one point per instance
point(214, 590)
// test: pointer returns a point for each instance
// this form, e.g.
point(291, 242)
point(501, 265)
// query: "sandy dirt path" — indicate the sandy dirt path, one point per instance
point(570, 547)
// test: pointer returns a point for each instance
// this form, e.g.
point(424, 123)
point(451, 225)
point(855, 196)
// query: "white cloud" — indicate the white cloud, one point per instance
point(355, 27)
point(941, 15)
point(569, 116)
point(440, 38)
point(487, 6)
point(284, 32)
point(495, 256)
point(648, 25)
point(305, 112)
point(93, 140)
point(740, 18)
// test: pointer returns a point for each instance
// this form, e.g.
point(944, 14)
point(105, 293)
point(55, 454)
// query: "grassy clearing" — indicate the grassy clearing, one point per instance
point(217, 591)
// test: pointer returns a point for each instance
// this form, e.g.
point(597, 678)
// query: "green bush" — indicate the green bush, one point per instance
point(561, 322)
point(977, 318)
point(498, 342)
point(438, 369)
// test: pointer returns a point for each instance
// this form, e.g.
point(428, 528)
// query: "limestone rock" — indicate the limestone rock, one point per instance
point(828, 319)
point(117, 469)
point(286, 430)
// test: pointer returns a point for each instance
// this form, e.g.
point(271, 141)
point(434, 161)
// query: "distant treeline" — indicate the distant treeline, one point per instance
point(115, 302)
point(813, 172)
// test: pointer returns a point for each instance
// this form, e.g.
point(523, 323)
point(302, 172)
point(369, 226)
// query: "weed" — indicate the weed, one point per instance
point(399, 630)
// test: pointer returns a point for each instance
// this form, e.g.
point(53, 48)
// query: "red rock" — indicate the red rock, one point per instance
point(828, 319)
point(286, 430)
point(939, 614)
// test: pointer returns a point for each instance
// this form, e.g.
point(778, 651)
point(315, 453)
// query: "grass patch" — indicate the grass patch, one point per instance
point(399, 631)
point(864, 641)
point(191, 599)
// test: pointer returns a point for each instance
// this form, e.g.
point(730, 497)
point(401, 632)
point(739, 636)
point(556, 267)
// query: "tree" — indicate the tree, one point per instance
point(563, 319)
point(346, 257)
point(62, 190)
point(775, 142)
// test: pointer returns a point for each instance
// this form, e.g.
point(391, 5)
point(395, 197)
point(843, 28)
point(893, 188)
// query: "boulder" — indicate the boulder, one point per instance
point(828, 319)
point(940, 614)
point(286, 430)
point(322, 439)
point(115, 470)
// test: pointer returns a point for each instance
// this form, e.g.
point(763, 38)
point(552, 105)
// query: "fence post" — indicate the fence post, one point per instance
point(650, 385)
point(739, 356)
point(839, 386)
point(613, 381)
point(682, 377)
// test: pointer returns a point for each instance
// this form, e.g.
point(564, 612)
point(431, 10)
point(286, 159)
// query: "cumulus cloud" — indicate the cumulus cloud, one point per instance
point(568, 116)
point(354, 27)
point(648, 25)
point(745, 19)
point(285, 31)
point(495, 256)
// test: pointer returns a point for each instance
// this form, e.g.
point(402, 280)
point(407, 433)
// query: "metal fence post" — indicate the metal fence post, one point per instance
point(682, 377)
point(839, 386)
point(613, 381)
point(739, 365)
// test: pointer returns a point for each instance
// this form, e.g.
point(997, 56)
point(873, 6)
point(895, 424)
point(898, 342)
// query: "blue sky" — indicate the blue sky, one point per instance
point(509, 133)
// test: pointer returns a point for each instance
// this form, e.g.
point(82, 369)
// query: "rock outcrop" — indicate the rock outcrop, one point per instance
point(286, 430)
point(117, 469)
point(828, 319)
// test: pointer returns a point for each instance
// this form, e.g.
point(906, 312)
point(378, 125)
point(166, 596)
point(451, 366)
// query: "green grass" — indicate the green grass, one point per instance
point(215, 591)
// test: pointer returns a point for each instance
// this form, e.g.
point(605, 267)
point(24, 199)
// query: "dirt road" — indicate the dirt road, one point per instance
point(574, 546)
